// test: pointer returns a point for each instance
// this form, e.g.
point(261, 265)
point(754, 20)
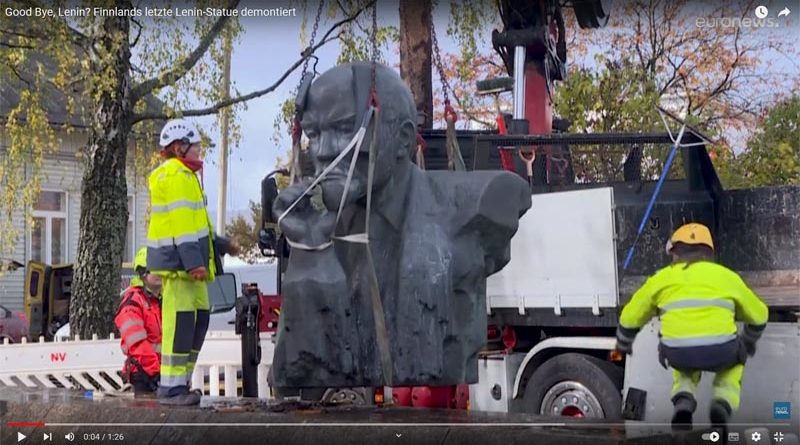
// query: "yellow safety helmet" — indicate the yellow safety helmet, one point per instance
point(141, 259)
point(139, 263)
point(692, 234)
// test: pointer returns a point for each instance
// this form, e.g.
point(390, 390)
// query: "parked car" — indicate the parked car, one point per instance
point(13, 325)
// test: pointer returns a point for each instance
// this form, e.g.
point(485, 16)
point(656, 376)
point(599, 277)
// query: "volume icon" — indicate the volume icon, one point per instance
point(70, 437)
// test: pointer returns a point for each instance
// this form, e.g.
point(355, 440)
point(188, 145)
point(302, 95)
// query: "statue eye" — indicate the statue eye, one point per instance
point(311, 134)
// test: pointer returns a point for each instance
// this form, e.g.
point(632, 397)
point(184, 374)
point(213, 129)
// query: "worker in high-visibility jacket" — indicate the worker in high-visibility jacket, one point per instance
point(698, 302)
point(138, 321)
point(181, 249)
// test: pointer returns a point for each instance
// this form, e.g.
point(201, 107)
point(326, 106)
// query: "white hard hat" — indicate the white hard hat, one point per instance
point(179, 129)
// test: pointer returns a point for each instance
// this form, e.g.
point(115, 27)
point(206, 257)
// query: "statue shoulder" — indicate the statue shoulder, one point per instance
point(491, 199)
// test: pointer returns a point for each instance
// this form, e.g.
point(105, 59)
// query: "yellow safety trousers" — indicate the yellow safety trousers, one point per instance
point(727, 383)
point(183, 331)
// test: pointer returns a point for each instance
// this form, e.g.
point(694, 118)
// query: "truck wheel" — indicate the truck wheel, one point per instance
point(351, 396)
point(334, 396)
point(575, 385)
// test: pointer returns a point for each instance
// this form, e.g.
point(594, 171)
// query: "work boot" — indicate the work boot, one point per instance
point(186, 399)
point(685, 404)
point(720, 413)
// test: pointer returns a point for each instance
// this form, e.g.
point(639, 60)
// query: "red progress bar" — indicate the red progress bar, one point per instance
point(23, 424)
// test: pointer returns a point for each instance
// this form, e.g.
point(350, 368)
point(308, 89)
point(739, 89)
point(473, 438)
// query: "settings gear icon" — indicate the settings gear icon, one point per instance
point(756, 436)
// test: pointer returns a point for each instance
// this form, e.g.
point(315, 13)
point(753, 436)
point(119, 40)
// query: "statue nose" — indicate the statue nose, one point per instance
point(328, 148)
point(325, 150)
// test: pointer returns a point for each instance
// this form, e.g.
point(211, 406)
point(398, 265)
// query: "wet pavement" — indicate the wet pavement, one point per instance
point(51, 416)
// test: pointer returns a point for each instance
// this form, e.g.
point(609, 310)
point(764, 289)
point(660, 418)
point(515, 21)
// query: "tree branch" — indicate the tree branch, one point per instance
point(61, 88)
point(174, 74)
point(308, 52)
point(675, 73)
point(19, 76)
point(12, 46)
point(725, 83)
point(21, 34)
point(138, 33)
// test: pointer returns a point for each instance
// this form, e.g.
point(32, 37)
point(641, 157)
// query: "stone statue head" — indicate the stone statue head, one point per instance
point(332, 114)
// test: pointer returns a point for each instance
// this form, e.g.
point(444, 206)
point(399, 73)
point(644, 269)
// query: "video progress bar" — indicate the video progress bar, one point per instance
point(410, 424)
point(307, 424)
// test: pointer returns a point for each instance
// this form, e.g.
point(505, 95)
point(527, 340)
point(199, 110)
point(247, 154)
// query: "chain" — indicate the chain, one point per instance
point(437, 60)
point(309, 49)
point(374, 56)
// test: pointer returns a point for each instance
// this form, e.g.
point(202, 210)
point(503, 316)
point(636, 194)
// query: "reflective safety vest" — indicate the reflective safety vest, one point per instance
point(180, 235)
point(138, 320)
point(698, 305)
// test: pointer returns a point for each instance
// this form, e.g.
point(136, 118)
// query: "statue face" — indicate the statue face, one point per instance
point(330, 121)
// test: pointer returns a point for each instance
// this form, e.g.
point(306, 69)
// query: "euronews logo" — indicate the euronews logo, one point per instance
point(782, 410)
point(735, 22)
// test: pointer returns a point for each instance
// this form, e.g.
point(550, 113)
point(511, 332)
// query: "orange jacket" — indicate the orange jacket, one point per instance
point(138, 320)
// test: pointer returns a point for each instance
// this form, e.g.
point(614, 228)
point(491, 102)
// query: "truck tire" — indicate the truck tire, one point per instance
point(576, 385)
point(353, 396)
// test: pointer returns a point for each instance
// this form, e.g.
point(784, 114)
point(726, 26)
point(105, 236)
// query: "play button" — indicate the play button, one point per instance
point(20, 437)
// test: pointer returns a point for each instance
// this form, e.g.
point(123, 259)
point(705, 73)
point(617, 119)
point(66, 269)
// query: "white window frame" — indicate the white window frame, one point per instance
point(48, 216)
point(132, 222)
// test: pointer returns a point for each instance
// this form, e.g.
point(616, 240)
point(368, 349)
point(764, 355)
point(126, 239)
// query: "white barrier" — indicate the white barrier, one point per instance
point(95, 365)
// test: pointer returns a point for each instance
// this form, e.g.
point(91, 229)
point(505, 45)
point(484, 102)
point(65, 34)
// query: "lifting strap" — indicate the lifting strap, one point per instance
point(294, 163)
point(354, 146)
point(420, 152)
point(506, 161)
point(454, 160)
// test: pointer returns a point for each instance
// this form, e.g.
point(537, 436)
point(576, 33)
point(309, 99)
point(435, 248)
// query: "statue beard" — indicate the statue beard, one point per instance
point(333, 189)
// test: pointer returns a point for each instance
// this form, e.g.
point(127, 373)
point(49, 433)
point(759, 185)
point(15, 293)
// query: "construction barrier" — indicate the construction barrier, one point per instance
point(96, 364)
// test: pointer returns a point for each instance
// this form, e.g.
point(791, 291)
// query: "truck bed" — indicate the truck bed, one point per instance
point(777, 289)
point(779, 296)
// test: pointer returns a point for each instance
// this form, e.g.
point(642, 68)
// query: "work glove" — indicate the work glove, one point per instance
point(748, 344)
point(749, 336)
point(199, 273)
point(625, 348)
point(662, 360)
point(625, 337)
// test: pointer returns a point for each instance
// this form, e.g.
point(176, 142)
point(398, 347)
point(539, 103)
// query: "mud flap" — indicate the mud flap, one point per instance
point(635, 404)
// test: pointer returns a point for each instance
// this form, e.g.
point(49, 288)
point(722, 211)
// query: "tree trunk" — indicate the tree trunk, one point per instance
point(104, 210)
point(415, 54)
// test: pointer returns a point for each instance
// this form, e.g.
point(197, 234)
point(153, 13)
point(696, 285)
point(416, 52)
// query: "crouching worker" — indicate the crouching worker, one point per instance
point(138, 320)
point(698, 302)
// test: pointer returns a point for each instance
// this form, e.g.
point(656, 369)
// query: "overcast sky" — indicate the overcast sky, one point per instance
point(265, 50)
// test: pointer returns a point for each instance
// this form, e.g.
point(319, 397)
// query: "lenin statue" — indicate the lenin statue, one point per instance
point(434, 237)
